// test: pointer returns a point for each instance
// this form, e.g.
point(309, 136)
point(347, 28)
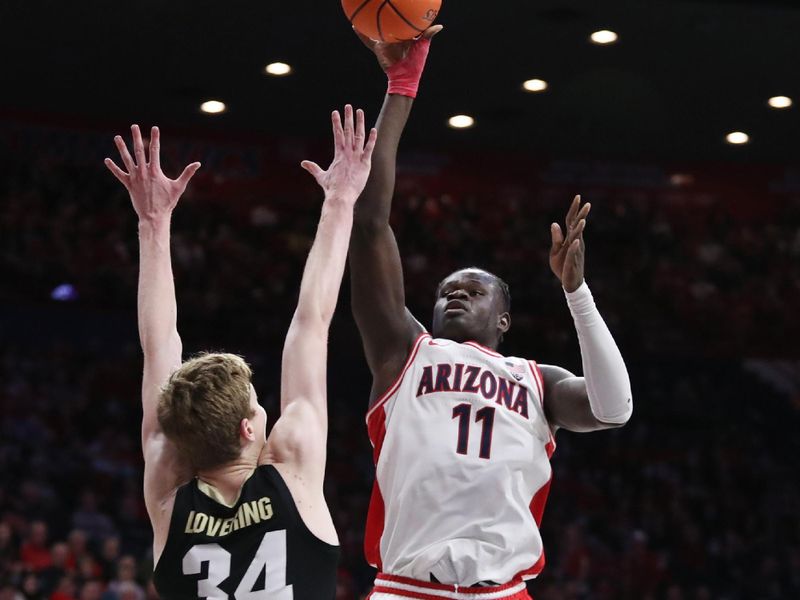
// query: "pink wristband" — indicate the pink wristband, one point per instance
point(404, 76)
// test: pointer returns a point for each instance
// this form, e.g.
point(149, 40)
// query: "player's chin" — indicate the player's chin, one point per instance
point(454, 328)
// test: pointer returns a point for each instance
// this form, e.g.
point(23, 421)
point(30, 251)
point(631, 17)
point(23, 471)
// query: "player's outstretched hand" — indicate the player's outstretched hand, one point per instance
point(346, 177)
point(389, 55)
point(153, 194)
point(567, 253)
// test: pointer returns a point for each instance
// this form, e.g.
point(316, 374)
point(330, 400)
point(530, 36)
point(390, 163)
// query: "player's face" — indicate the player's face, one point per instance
point(469, 306)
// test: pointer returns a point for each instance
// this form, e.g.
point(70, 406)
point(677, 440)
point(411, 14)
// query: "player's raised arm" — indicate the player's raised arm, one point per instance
point(378, 296)
point(299, 435)
point(154, 196)
point(602, 398)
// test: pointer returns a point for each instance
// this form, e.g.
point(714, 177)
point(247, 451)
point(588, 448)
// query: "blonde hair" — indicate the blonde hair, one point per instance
point(202, 405)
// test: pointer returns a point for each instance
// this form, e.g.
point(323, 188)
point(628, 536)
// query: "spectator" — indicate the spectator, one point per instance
point(91, 590)
point(9, 592)
point(126, 579)
point(57, 570)
point(109, 555)
point(65, 590)
point(8, 549)
point(90, 520)
point(78, 548)
point(31, 588)
point(34, 552)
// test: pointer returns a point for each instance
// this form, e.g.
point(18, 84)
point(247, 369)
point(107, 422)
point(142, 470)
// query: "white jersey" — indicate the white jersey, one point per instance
point(462, 452)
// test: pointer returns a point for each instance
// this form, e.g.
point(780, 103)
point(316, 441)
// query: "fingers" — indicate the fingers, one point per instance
point(122, 148)
point(155, 148)
point(358, 140)
point(370, 146)
point(312, 168)
point(582, 215)
point(338, 131)
point(138, 146)
point(584, 211)
point(118, 173)
point(557, 237)
point(349, 132)
point(576, 232)
point(573, 257)
point(573, 210)
point(432, 31)
point(187, 175)
point(349, 136)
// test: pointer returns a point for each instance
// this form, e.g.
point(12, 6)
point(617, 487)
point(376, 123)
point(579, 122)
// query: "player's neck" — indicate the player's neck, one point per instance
point(488, 344)
point(491, 344)
point(229, 479)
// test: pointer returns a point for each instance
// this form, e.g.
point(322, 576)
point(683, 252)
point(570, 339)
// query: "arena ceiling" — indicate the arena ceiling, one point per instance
point(683, 74)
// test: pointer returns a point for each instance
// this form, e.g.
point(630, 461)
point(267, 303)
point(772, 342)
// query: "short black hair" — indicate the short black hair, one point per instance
point(503, 289)
point(506, 293)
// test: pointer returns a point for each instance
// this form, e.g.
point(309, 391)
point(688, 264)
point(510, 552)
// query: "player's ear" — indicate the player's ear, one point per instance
point(504, 322)
point(246, 430)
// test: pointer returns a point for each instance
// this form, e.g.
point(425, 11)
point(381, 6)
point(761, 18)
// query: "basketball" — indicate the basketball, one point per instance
point(391, 20)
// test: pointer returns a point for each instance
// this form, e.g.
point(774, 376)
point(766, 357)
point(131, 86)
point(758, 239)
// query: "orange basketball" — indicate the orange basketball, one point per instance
point(391, 20)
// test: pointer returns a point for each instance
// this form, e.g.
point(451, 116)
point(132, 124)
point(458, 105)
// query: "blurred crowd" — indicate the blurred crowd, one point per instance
point(695, 499)
point(673, 277)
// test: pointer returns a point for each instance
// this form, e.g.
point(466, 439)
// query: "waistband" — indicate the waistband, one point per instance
point(423, 590)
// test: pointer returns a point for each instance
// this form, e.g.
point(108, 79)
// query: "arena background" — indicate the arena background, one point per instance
point(692, 254)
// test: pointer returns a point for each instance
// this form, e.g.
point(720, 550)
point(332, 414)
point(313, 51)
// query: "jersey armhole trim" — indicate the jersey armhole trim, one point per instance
point(173, 524)
point(399, 379)
point(537, 377)
point(280, 485)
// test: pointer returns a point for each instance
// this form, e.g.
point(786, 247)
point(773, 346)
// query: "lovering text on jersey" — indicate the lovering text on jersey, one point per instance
point(249, 513)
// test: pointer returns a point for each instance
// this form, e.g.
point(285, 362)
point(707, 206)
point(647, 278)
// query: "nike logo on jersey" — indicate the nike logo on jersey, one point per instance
point(474, 380)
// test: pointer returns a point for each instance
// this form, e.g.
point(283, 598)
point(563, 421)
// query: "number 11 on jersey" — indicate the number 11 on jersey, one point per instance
point(485, 416)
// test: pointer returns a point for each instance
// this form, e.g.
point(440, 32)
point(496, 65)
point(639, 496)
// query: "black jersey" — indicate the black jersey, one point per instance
point(259, 549)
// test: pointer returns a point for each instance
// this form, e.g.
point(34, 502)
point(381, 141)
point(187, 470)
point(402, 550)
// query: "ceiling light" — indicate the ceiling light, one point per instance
point(780, 102)
point(213, 107)
point(461, 122)
point(535, 85)
point(604, 36)
point(278, 69)
point(737, 138)
point(681, 179)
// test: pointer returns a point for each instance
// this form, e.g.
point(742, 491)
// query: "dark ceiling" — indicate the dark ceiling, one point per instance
point(682, 76)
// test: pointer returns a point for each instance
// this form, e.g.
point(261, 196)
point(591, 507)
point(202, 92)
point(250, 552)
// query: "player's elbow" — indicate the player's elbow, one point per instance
point(154, 345)
point(618, 418)
point(310, 323)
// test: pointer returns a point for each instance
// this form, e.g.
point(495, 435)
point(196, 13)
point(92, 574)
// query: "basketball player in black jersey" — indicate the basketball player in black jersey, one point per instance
point(237, 516)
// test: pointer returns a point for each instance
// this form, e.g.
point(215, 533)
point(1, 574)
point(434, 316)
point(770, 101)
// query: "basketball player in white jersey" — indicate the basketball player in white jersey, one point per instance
point(237, 515)
point(462, 435)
